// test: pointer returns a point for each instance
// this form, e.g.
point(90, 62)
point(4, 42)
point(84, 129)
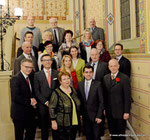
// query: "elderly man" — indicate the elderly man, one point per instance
point(57, 32)
point(23, 103)
point(100, 68)
point(37, 37)
point(97, 32)
point(117, 95)
point(27, 48)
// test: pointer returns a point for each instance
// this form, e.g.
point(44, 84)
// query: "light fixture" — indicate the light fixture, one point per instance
point(6, 20)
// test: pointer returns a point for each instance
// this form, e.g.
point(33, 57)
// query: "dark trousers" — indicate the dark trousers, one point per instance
point(116, 128)
point(24, 125)
point(65, 133)
point(92, 129)
point(44, 121)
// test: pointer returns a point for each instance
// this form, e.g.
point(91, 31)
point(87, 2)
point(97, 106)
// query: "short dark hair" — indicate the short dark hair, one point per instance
point(28, 32)
point(88, 67)
point(119, 44)
point(44, 56)
point(68, 32)
point(26, 60)
point(74, 47)
point(47, 43)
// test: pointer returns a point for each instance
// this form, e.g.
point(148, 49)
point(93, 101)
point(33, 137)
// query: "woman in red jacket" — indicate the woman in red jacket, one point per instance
point(68, 67)
point(103, 53)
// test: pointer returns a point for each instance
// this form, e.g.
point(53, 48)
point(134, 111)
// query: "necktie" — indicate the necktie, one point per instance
point(113, 76)
point(56, 37)
point(49, 78)
point(93, 65)
point(29, 57)
point(86, 90)
point(27, 80)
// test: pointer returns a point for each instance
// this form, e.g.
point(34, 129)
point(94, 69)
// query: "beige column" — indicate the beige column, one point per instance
point(6, 125)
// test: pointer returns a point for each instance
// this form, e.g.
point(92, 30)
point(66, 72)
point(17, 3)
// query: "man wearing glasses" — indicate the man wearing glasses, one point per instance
point(23, 103)
point(27, 48)
point(45, 81)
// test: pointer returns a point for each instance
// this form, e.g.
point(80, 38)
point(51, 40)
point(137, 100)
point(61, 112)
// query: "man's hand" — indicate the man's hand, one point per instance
point(33, 102)
point(98, 120)
point(54, 125)
point(47, 103)
point(126, 116)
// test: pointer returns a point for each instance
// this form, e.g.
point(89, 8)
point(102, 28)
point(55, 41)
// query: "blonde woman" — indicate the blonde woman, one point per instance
point(86, 45)
point(68, 67)
point(48, 36)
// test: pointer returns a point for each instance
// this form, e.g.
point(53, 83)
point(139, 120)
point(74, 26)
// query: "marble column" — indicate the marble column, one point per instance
point(6, 125)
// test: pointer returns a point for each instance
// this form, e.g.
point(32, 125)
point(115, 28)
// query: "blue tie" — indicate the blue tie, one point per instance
point(86, 90)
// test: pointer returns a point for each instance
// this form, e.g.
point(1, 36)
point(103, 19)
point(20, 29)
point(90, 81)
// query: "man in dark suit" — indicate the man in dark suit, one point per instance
point(45, 82)
point(23, 103)
point(125, 65)
point(97, 32)
point(29, 37)
point(92, 107)
point(100, 68)
point(117, 95)
point(27, 48)
point(57, 32)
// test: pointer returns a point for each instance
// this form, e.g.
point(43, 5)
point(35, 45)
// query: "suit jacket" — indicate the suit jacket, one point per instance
point(60, 34)
point(101, 71)
point(42, 90)
point(92, 107)
point(18, 62)
point(117, 94)
point(105, 57)
point(98, 33)
point(125, 66)
point(35, 50)
point(21, 108)
point(79, 69)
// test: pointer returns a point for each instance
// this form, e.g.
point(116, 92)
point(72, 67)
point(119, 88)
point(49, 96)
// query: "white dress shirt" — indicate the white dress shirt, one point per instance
point(45, 71)
point(27, 56)
point(56, 34)
point(118, 58)
point(114, 74)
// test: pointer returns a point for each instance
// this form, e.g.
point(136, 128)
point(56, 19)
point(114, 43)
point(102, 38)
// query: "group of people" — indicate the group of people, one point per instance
point(60, 83)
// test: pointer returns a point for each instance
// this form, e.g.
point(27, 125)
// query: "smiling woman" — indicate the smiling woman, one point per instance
point(64, 109)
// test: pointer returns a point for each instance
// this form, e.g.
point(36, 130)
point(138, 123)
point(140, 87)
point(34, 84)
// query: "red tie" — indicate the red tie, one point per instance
point(113, 76)
point(49, 78)
point(27, 80)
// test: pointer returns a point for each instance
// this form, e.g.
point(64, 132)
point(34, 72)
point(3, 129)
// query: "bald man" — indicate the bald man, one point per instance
point(97, 32)
point(37, 36)
point(27, 48)
point(117, 95)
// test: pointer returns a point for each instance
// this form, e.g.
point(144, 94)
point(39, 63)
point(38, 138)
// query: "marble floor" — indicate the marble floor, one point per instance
point(105, 137)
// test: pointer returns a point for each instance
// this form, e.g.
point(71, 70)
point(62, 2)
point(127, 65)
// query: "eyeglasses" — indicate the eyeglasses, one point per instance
point(47, 60)
point(27, 67)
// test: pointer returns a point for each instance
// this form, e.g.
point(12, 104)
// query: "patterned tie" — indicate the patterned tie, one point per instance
point(113, 76)
point(56, 37)
point(86, 90)
point(49, 78)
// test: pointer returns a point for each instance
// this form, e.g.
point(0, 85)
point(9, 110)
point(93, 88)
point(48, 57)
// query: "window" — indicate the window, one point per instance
point(125, 19)
point(137, 17)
